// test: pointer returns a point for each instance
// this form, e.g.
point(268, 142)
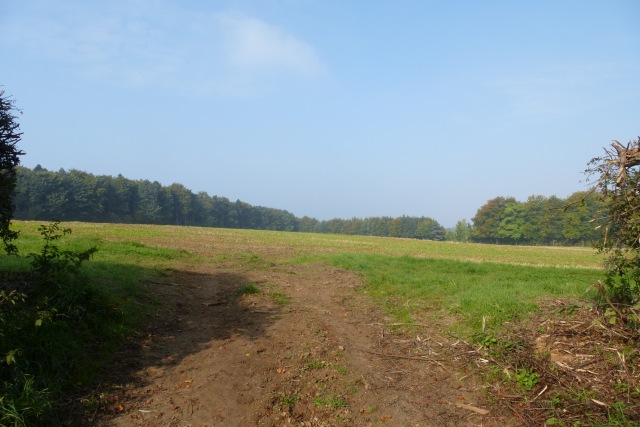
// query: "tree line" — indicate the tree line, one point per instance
point(81, 196)
point(540, 220)
point(75, 195)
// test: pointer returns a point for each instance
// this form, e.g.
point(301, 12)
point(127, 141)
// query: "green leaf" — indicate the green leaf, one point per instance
point(11, 357)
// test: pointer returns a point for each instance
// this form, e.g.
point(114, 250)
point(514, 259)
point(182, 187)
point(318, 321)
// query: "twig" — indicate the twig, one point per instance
point(162, 283)
point(517, 414)
point(398, 356)
point(471, 408)
point(540, 394)
point(410, 324)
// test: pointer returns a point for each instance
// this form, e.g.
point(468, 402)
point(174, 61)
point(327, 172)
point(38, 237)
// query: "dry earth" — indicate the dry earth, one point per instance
point(309, 349)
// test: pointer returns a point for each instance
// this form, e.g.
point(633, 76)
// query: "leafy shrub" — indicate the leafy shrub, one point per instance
point(44, 331)
point(618, 185)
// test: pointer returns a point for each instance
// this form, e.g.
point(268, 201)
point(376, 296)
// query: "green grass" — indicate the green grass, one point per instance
point(248, 289)
point(284, 246)
point(413, 279)
point(468, 280)
point(467, 290)
point(330, 401)
point(279, 298)
point(66, 329)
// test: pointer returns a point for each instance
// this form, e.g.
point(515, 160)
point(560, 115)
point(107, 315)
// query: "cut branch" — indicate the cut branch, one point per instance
point(625, 158)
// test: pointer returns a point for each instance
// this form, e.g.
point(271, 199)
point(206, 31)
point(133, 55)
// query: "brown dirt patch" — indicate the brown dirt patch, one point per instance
point(309, 349)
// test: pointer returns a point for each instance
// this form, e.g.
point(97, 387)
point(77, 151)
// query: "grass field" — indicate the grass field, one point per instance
point(468, 280)
point(212, 243)
point(474, 287)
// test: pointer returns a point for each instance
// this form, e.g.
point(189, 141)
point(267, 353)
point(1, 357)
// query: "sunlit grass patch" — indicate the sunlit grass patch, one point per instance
point(470, 291)
point(279, 298)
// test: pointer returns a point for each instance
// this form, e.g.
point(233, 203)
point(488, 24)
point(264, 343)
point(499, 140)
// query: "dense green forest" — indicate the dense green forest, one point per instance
point(540, 220)
point(80, 196)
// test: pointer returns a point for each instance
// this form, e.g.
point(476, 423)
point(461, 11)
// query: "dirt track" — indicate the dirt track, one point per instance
point(310, 349)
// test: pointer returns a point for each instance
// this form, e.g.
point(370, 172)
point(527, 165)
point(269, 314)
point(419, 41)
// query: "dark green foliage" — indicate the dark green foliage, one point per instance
point(49, 321)
point(618, 185)
point(9, 160)
point(539, 220)
point(404, 226)
point(51, 261)
point(80, 196)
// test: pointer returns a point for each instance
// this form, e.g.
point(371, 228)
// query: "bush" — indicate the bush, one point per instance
point(47, 323)
point(618, 185)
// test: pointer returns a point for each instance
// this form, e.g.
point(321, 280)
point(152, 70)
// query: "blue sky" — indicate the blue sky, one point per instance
point(327, 108)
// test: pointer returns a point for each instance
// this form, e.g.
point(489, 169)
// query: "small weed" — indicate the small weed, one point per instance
point(280, 298)
point(582, 395)
point(320, 365)
point(352, 390)
point(340, 369)
point(248, 289)
point(486, 340)
point(289, 400)
point(617, 414)
point(555, 400)
point(526, 379)
point(621, 387)
point(331, 401)
point(254, 261)
point(315, 365)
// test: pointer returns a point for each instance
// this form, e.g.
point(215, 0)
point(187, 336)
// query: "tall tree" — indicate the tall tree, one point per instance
point(463, 231)
point(9, 159)
point(149, 209)
point(511, 222)
point(486, 223)
point(533, 211)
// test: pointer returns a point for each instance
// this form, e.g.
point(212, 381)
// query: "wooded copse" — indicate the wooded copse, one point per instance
point(540, 220)
point(80, 196)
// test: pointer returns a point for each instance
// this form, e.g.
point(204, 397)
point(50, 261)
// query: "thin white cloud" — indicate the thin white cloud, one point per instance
point(251, 43)
point(148, 43)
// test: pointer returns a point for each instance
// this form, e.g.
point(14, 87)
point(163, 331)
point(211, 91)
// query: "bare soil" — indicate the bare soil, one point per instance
point(310, 349)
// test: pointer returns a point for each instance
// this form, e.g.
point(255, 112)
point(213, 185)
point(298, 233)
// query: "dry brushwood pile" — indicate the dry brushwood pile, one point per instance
point(571, 365)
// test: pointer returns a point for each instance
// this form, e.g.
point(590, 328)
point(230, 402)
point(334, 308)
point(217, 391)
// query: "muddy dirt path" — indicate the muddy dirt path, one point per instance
point(308, 349)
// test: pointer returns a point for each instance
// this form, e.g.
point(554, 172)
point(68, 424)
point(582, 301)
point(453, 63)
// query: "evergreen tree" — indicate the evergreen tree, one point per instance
point(9, 159)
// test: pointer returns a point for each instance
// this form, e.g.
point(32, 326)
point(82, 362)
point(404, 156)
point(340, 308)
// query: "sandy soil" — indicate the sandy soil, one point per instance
point(310, 349)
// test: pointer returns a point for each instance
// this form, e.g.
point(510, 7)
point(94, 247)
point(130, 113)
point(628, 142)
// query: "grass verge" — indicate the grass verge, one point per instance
point(480, 295)
point(60, 325)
